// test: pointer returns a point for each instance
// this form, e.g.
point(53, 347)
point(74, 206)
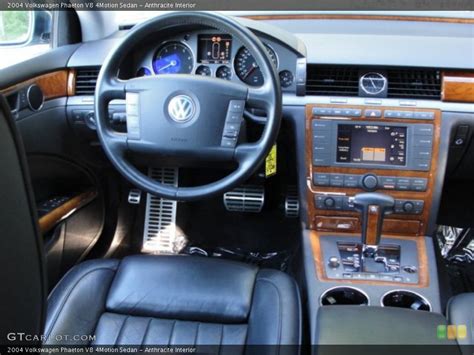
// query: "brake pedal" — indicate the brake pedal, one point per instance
point(292, 203)
point(160, 232)
point(245, 198)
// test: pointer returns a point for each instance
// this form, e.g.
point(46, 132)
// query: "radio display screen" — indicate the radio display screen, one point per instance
point(214, 48)
point(371, 144)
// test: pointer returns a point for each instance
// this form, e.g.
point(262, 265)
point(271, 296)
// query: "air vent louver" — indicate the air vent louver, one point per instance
point(332, 80)
point(403, 83)
point(86, 79)
point(414, 84)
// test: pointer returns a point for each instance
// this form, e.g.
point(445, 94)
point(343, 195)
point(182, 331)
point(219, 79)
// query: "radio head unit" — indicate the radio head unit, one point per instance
point(373, 145)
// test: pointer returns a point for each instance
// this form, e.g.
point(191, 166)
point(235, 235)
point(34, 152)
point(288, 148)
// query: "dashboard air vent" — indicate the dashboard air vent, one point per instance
point(414, 83)
point(332, 80)
point(86, 79)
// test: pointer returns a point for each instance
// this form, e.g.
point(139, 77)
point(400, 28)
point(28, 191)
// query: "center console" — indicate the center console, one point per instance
point(370, 178)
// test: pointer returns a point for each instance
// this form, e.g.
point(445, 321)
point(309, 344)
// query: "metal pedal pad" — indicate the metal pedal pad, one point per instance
point(292, 203)
point(134, 196)
point(246, 198)
point(160, 232)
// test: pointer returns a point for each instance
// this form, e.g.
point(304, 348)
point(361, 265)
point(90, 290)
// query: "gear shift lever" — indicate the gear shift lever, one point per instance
point(373, 207)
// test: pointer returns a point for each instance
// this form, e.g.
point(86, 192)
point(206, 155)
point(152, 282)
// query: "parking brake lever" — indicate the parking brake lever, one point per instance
point(372, 207)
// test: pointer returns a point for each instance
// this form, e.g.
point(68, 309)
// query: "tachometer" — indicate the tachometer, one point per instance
point(247, 68)
point(173, 58)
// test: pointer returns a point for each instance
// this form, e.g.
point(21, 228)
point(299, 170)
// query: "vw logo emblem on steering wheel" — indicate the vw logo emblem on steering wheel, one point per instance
point(181, 108)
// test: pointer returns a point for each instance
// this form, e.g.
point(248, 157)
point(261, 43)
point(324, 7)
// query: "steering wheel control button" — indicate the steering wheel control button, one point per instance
point(369, 182)
point(133, 118)
point(236, 106)
point(228, 142)
point(181, 108)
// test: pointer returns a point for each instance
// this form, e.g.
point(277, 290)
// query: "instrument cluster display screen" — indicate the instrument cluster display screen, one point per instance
point(214, 48)
point(371, 144)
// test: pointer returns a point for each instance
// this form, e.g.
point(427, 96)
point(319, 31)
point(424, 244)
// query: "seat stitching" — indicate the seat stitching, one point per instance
point(121, 330)
point(69, 291)
point(279, 308)
point(171, 333)
point(197, 333)
point(220, 340)
point(146, 332)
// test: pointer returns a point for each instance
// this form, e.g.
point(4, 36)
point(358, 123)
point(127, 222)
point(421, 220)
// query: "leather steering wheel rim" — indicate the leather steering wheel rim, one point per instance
point(249, 156)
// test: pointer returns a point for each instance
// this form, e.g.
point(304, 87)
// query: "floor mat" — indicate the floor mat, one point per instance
point(267, 239)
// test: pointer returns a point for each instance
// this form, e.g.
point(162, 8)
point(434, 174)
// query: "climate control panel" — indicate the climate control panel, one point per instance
point(344, 203)
point(370, 182)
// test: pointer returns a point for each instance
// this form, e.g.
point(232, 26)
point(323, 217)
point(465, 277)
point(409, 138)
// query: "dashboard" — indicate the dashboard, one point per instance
point(213, 54)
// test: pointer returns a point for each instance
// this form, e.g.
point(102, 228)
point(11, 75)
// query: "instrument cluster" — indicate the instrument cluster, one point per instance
point(216, 55)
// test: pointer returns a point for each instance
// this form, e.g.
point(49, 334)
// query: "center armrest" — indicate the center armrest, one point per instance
point(361, 325)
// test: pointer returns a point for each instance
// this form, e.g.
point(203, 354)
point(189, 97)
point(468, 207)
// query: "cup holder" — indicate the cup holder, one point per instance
point(337, 296)
point(405, 299)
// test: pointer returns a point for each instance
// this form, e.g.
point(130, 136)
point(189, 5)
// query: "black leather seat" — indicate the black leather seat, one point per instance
point(173, 300)
point(155, 300)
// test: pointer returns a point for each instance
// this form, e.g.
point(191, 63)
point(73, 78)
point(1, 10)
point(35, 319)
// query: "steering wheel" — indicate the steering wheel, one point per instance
point(186, 116)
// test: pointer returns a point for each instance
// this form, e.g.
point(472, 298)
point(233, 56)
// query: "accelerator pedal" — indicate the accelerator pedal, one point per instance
point(245, 198)
point(160, 233)
point(292, 204)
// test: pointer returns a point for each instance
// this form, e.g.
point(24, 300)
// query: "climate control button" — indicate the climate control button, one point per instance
point(329, 202)
point(370, 182)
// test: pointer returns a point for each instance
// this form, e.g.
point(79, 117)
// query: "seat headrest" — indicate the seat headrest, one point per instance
point(183, 287)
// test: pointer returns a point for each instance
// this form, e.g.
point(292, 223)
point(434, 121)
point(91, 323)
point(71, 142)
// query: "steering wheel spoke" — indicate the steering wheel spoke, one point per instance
point(260, 97)
point(113, 88)
point(117, 142)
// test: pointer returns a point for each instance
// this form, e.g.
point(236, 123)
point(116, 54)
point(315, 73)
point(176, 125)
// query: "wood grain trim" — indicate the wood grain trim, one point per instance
point(457, 87)
point(71, 82)
point(373, 213)
point(423, 274)
point(431, 175)
point(360, 17)
point(50, 220)
point(53, 85)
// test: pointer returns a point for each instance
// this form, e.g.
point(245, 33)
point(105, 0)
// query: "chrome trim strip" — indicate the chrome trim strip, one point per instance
point(293, 100)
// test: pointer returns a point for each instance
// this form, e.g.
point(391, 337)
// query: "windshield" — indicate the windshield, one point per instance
point(128, 17)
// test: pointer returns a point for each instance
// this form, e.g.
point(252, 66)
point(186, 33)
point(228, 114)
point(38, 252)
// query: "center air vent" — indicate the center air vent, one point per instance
point(332, 80)
point(414, 84)
point(403, 83)
point(86, 80)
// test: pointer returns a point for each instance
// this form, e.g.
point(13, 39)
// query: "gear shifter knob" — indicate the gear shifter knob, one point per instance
point(373, 207)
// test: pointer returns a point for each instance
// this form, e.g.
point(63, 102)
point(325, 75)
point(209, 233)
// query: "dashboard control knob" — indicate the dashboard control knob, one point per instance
point(408, 206)
point(369, 182)
point(329, 202)
point(333, 262)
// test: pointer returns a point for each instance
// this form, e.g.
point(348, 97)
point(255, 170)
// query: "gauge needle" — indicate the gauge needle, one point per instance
point(254, 66)
point(373, 84)
point(171, 64)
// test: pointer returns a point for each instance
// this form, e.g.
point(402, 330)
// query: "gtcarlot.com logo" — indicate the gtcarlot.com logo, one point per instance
point(452, 332)
point(58, 338)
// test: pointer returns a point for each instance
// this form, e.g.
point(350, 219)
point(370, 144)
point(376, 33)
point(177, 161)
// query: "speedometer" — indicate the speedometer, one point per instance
point(173, 58)
point(247, 68)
